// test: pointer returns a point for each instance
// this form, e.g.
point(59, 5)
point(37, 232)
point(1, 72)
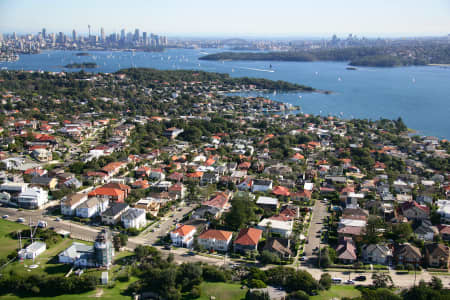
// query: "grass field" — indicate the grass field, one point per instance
point(7, 244)
point(338, 291)
point(222, 291)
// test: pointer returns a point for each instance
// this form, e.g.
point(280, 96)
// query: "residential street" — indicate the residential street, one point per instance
point(316, 226)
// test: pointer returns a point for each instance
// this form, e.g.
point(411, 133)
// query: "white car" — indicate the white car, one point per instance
point(21, 220)
point(349, 282)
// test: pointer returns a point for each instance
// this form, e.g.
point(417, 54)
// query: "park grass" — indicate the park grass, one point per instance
point(222, 291)
point(338, 291)
point(7, 244)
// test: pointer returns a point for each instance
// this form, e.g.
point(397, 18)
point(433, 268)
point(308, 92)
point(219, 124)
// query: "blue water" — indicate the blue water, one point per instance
point(420, 95)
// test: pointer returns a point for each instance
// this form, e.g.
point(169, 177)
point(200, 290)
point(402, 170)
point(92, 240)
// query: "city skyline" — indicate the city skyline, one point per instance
point(251, 18)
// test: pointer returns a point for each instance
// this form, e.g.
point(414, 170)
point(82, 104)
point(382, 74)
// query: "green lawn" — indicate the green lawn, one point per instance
point(338, 291)
point(7, 244)
point(222, 291)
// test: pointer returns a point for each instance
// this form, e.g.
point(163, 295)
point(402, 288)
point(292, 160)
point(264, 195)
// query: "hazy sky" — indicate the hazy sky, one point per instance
point(231, 17)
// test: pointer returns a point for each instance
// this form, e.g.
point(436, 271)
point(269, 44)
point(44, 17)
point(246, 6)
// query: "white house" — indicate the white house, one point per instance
point(183, 235)
point(213, 239)
point(79, 255)
point(377, 254)
point(32, 251)
point(71, 202)
point(284, 228)
point(444, 209)
point(33, 198)
point(92, 207)
point(134, 218)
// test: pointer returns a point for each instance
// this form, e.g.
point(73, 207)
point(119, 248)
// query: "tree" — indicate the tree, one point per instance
point(381, 280)
point(325, 281)
point(268, 257)
point(298, 295)
point(436, 283)
point(256, 295)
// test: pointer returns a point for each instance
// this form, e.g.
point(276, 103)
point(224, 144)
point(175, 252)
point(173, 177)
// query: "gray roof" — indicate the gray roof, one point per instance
point(78, 249)
point(133, 213)
point(115, 209)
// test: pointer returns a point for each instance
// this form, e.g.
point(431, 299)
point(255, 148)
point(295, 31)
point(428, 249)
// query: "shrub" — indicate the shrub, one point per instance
point(256, 284)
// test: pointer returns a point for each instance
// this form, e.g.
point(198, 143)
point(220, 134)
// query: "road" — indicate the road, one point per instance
point(320, 211)
point(180, 254)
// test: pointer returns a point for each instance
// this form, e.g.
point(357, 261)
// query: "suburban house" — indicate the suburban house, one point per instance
point(45, 182)
point(346, 251)
point(134, 218)
point(150, 205)
point(302, 196)
point(444, 210)
point(278, 246)
point(183, 236)
point(123, 187)
point(157, 174)
point(215, 206)
point(41, 155)
point(218, 240)
point(268, 203)
point(283, 228)
point(111, 194)
point(112, 215)
point(437, 255)
point(376, 254)
point(247, 240)
point(177, 191)
point(92, 207)
point(261, 185)
point(425, 231)
point(113, 168)
point(414, 211)
point(32, 198)
point(407, 254)
point(444, 231)
point(172, 132)
point(71, 202)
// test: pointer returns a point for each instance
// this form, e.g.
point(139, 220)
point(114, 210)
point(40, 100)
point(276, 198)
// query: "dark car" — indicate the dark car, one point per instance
point(360, 278)
point(167, 247)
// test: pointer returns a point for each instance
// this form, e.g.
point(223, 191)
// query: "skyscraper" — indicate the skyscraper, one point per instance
point(122, 34)
point(136, 35)
point(74, 35)
point(102, 34)
point(144, 38)
point(44, 33)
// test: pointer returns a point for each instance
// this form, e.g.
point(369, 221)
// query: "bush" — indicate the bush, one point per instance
point(267, 257)
point(256, 284)
point(325, 281)
point(409, 267)
point(196, 292)
point(399, 267)
point(298, 295)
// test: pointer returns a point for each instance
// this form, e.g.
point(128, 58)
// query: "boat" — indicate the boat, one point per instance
point(351, 68)
point(339, 79)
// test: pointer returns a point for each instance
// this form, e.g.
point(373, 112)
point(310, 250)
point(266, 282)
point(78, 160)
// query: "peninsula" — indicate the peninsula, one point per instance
point(85, 65)
point(356, 56)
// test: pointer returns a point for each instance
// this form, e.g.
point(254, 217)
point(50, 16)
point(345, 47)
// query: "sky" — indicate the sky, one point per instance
point(259, 18)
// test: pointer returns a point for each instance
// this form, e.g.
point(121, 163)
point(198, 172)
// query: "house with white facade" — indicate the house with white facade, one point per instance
point(183, 235)
point(261, 185)
point(33, 198)
point(92, 207)
point(71, 202)
point(32, 251)
point(218, 240)
point(284, 228)
point(134, 218)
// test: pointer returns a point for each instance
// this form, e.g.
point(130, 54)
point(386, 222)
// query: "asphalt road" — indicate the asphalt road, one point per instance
point(316, 227)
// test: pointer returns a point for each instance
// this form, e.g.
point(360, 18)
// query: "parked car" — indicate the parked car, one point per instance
point(167, 247)
point(349, 282)
point(360, 278)
point(42, 224)
point(57, 219)
point(5, 216)
point(21, 220)
point(336, 280)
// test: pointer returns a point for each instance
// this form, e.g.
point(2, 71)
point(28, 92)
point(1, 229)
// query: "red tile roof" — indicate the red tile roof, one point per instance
point(248, 236)
point(281, 191)
point(184, 230)
point(216, 234)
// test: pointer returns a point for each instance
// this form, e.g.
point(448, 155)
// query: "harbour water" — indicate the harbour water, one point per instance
point(420, 95)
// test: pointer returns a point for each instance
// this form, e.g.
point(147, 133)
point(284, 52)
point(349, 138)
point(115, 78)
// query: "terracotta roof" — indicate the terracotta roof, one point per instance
point(112, 166)
point(184, 230)
point(106, 192)
point(281, 191)
point(248, 236)
point(216, 234)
